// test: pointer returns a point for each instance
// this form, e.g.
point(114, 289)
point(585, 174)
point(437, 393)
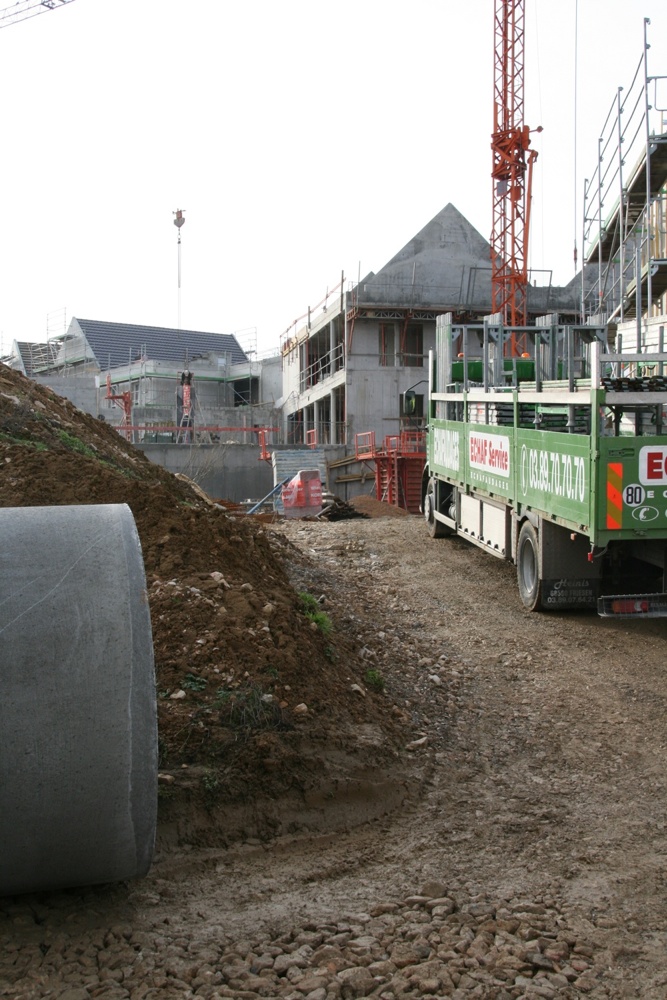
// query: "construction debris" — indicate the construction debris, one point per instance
point(335, 509)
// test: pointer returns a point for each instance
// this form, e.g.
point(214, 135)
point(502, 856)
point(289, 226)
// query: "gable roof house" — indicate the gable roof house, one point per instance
point(148, 362)
point(345, 373)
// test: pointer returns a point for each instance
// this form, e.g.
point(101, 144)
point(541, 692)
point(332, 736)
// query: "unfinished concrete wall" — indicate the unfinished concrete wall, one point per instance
point(291, 376)
point(374, 391)
point(270, 379)
point(79, 389)
point(231, 472)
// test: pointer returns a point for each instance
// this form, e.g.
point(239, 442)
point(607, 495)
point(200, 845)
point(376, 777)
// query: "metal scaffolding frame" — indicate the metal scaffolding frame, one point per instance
point(624, 216)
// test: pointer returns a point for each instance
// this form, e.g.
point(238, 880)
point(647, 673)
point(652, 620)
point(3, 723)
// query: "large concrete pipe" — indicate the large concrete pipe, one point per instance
point(78, 734)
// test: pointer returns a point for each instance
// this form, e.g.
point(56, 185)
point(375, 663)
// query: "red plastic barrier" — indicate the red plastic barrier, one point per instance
point(302, 496)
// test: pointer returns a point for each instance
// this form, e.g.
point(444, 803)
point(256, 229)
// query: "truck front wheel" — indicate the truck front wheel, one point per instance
point(528, 567)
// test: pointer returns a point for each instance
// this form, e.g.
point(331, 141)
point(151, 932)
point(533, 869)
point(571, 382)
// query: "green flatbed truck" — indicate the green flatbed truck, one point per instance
point(548, 449)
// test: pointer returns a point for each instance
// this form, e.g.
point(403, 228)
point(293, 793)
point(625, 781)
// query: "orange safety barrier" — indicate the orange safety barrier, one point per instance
point(364, 445)
point(413, 441)
point(302, 495)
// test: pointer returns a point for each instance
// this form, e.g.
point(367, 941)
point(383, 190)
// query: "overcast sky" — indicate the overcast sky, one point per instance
point(302, 138)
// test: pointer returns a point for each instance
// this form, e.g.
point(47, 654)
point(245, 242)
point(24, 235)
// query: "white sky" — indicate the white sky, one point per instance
point(302, 138)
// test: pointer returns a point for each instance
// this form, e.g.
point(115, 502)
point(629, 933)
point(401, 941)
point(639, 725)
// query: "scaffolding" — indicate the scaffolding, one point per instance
point(625, 202)
point(399, 466)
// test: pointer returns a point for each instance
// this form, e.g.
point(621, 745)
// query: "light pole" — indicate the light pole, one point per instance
point(178, 222)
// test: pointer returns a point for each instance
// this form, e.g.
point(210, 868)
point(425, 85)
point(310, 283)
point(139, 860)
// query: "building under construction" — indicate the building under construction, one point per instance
point(157, 383)
point(350, 376)
point(347, 369)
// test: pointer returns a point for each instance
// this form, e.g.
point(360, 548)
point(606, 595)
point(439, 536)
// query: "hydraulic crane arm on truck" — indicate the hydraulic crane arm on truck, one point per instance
point(555, 460)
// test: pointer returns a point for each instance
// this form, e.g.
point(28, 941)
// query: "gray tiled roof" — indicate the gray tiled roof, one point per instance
point(117, 344)
point(36, 357)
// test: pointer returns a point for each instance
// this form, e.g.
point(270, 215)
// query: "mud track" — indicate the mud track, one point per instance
point(533, 776)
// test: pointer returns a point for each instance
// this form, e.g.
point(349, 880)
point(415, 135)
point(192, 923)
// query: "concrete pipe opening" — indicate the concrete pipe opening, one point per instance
point(78, 730)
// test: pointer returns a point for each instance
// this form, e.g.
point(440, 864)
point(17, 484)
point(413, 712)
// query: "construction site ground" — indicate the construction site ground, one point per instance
point(401, 785)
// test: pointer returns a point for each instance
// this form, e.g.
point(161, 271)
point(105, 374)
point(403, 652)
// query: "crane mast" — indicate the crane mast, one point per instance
point(512, 167)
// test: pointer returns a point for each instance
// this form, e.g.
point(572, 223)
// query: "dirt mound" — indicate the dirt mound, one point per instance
point(370, 507)
point(256, 685)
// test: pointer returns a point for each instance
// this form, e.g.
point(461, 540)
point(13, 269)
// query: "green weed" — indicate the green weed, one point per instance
point(312, 611)
point(248, 709)
point(75, 444)
point(24, 442)
point(374, 680)
point(211, 786)
point(193, 683)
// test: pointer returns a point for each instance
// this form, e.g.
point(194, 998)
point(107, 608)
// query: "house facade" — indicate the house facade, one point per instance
point(153, 381)
point(346, 371)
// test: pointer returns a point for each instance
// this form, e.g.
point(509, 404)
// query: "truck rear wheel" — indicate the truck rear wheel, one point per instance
point(436, 529)
point(528, 567)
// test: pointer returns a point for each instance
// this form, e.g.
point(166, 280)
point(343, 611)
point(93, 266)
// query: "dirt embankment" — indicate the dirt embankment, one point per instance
point(252, 692)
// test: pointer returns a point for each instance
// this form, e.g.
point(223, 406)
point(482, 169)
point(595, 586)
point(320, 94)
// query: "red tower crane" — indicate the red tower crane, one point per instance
point(512, 167)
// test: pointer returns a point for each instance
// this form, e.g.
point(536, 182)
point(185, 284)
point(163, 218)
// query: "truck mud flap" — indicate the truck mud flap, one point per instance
point(565, 594)
point(633, 606)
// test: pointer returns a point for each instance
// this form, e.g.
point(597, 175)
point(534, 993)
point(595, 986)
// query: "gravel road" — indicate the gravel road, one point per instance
point(529, 857)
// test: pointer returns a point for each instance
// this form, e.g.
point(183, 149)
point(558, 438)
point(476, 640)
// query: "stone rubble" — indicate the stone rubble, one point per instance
point(439, 943)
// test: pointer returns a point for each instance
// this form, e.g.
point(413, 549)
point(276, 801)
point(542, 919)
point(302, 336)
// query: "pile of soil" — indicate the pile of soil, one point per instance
point(255, 686)
point(370, 507)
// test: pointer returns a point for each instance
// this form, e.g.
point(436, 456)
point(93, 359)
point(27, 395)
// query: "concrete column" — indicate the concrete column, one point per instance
point(316, 420)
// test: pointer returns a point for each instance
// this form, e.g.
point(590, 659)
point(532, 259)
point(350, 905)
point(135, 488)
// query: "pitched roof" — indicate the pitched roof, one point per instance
point(35, 358)
point(446, 265)
point(117, 344)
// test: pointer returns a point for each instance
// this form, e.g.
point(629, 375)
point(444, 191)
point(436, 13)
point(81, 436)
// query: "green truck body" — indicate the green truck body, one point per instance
point(566, 476)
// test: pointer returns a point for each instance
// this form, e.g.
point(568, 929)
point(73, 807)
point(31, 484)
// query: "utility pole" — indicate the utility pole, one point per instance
point(178, 222)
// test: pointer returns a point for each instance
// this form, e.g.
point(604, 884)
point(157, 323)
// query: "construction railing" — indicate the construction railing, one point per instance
point(322, 367)
point(364, 445)
point(413, 441)
point(168, 433)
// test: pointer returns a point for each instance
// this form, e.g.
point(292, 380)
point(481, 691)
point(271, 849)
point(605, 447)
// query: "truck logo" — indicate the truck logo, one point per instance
point(446, 448)
point(645, 513)
point(489, 452)
point(653, 465)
